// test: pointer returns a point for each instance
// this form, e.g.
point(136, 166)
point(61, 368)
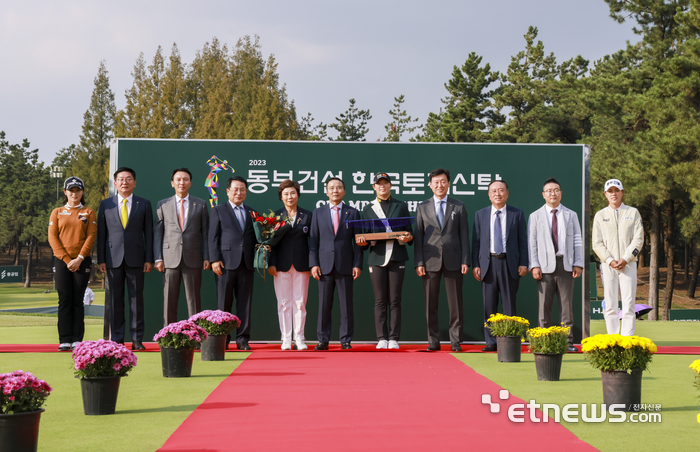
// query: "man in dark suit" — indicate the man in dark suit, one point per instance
point(442, 249)
point(387, 260)
point(231, 250)
point(499, 253)
point(180, 245)
point(125, 253)
point(335, 260)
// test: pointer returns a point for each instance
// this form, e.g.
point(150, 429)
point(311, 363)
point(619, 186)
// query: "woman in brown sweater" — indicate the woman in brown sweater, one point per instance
point(72, 232)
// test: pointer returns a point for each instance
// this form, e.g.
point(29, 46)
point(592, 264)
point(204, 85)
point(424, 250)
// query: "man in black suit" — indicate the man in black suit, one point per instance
point(335, 260)
point(180, 245)
point(125, 253)
point(499, 253)
point(387, 260)
point(442, 248)
point(231, 250)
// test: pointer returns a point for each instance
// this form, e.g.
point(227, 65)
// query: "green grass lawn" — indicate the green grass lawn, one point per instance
point(669, 382)
point(15, 296)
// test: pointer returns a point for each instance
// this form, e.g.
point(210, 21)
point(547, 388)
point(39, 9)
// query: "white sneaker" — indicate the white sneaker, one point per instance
point(286, 345)
point(394, 345)
point(301, 345)
point(73, 345)
point(382, 344)
point(64, 347)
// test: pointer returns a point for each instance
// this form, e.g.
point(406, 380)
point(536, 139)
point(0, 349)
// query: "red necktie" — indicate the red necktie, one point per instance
point(555, 231)
point(336, 219)
point(181, 214)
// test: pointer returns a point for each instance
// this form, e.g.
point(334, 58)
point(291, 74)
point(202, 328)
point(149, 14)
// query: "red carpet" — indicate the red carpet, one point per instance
point(405, 348)
point(286, 401)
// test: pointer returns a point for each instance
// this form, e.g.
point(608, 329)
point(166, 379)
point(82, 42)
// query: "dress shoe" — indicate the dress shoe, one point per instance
point(243, 346)
point(490, 348)
point(571, 349)
point(137, 345)
point(434, 347)
point(300, 345)
point(64, 347)
point(321, 346)
point(393, 345)
point(286, 345)
point(345, 346)
point(456, 347)
point(383, 344)
point(74, 344)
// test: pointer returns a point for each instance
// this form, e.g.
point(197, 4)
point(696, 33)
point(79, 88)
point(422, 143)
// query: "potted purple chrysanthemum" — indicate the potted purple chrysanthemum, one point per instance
point(100, 365)
point(21, 397)
point(218, 324)
point(177, 342)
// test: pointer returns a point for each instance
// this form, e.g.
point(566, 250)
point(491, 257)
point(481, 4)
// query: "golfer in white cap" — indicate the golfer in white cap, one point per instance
point(618, 236)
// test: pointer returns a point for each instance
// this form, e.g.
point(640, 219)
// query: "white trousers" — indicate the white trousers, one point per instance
point(292, 289)
point(617, 282)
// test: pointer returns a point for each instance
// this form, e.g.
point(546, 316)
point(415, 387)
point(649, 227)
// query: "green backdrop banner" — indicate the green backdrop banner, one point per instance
point(265, 164)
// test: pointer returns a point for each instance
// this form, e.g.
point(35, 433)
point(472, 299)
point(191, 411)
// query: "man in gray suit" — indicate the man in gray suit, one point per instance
point(556, 256)
point(442, 248)
point(180, 245)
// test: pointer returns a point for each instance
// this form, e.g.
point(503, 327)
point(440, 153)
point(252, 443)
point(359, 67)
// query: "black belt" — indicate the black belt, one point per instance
point(560, 257)
point(499, 256)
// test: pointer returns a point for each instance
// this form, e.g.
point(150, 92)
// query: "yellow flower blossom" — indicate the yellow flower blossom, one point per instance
point(695, 365)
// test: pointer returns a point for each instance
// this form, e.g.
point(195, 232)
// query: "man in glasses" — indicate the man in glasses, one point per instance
point(499, 254)
point(556, 256)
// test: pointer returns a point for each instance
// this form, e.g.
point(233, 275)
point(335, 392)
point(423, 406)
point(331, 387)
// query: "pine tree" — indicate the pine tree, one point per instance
point(401, 124)
point(351, 124)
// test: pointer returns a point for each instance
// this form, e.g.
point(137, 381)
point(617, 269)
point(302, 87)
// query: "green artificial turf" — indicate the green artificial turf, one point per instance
point(669, 382)
point(149, 408)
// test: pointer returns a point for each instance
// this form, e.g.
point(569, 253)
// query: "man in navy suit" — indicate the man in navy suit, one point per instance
point(125, 253)
point(335, 260)
point(499, 253)
point(231, 251)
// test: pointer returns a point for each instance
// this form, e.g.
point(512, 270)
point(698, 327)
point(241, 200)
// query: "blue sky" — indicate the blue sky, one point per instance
point(327, 51)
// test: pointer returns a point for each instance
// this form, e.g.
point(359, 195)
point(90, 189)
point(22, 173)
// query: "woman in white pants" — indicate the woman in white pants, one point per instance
point(289, 264)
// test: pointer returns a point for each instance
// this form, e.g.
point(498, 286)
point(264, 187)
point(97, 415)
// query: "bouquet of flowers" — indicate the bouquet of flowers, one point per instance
point(216, 323)
point(695, 365)
point(180, 335)
point(21, 392)
point(507, 325)
point(548, 340)
point(269, 230)
point(102, 359)
point(609, 352)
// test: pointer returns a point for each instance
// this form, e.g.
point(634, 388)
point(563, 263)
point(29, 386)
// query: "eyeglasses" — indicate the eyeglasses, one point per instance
point(128, 180)
point(497, 190)
point(554, 191)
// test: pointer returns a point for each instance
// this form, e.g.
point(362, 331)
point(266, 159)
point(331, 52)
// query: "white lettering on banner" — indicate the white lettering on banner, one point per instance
point(257, 180)
point(358, 178)
point(3, 275)
point(460, 180)
point(395, 181)
point(412, 206)
point(414, 181)
point(312, 176)
point(330, 174)
point(279, 176)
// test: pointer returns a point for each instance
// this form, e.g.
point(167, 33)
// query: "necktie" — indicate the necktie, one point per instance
point(440, 213)
point(125, 214)
point(336, 219)
point(497, 234)
point(181, 214)
point(239, 215)
point(555, 231)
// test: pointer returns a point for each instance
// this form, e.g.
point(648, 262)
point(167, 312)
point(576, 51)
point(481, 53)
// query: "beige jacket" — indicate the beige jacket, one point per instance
point(620, 238)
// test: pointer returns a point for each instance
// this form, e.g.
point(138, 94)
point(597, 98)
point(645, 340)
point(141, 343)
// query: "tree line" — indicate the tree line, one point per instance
point(638, 108)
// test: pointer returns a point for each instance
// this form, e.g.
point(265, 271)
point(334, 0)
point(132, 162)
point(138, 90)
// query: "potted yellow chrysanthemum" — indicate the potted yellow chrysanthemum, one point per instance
point(509, 332)
point(695, 365)
point(621, 360)
point(548, 345)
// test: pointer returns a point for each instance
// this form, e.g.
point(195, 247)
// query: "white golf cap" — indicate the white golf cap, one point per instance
point(613, 183)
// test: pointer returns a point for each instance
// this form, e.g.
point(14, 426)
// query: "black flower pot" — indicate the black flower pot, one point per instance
point(620, 387)
point(214, 348)
point(177, 362)
point(508, 349)
point(19, 432)
point(99, 395)
point(548, 366)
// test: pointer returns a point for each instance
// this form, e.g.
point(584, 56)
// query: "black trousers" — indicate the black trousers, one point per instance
point(134, 278)
point(237, 283)
point(497, 280)
point(453, 286)
point(387, 283)
point(326, 290)
point(71, 291)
